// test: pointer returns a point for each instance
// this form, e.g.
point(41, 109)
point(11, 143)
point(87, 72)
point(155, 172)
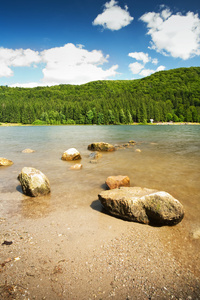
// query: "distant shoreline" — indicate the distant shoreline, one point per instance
point(151, 124)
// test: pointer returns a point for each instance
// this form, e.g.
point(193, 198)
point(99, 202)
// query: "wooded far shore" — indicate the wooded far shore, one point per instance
point(166, 96)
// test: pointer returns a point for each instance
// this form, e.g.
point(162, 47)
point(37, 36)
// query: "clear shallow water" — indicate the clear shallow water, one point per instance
point(169, 160)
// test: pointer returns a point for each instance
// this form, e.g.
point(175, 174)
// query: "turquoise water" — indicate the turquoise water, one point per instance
point(169, 160)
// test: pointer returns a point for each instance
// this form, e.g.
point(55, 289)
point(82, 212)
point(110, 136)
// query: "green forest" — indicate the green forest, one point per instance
point(164, 96)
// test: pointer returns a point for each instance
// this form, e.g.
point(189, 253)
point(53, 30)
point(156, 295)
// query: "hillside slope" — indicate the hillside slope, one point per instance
point(163, 96)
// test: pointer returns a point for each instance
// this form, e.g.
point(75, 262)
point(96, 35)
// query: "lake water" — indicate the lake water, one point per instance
point(169, 160)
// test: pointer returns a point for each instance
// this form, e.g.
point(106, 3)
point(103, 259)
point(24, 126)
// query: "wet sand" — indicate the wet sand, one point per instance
point(83, 253)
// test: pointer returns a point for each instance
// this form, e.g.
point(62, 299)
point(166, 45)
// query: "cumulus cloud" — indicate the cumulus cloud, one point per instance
point(69, 64)
point(16, 58)
point(113, 16)
point(140, 56)
point(138, 68)
point(176, 35)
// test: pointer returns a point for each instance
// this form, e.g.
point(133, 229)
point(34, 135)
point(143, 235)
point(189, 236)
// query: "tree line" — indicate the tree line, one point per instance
point(165, 96)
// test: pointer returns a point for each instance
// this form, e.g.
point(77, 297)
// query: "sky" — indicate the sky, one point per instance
point(45, 43)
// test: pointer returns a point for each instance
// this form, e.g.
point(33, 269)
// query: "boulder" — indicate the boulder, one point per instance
point(114, 182)
point(101, 146)
point(71, 154)
point(28, 151)
point(5, 162)
point(34, 183)
point(142, 205)
point(76, 167)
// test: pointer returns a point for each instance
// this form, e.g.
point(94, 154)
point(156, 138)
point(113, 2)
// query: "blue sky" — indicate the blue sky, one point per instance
point(73, 42)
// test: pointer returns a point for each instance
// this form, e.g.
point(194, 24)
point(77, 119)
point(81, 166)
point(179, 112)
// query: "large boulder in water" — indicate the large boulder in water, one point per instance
point(114, 182)
point(101, 146)
point(5, 162)
point(34, 183)
point(142, 205)
point(71, 154)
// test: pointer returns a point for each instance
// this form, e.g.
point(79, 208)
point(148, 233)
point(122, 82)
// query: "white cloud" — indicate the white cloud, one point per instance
point(16, 58)
point(160, 68)
point(69, 64)
point(146, 72)
point(136, 67)
point(155, 61)
point(140, 56)
point(175, 35)
point(113, 16)
point(62, 65)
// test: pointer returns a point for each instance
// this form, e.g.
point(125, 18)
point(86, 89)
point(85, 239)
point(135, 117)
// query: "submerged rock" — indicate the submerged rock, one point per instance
point(101, 146)
point(76, 167)
point(34, 183)
point(71, 154)
point(142, 205)
point(95, 155)
point(114, 182)
point(28, 150)
point(5, 162)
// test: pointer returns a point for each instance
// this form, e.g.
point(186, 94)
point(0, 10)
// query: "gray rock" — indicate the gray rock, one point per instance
point(34, 183)
point(142, 205)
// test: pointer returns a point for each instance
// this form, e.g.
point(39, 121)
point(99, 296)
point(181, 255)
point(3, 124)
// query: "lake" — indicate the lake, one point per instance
point(69, 226)
point(169, 160)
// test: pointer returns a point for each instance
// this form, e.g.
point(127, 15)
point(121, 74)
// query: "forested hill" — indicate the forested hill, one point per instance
point(164, 96)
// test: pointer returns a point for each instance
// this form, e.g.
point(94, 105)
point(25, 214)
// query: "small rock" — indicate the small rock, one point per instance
point(101, 146)
point(76, 167)
point(95, 155)
point(34, 183)
point(138, 150)
point(114, 182)
point(28, 150)
point(196, 234)
point(132, 142)
point(71, 154)
point(5, 162)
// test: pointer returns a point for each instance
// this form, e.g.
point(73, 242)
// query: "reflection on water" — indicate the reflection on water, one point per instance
point(169, 160)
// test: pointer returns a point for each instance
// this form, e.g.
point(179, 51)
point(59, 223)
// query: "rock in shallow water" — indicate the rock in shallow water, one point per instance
point(71, 154)
point(5, 162)
point(34, 183)
point(101, 146)
point(114, 182)
point(142, 205)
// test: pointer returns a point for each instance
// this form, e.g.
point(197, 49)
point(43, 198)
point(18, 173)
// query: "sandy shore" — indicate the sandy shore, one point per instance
point(68, 255)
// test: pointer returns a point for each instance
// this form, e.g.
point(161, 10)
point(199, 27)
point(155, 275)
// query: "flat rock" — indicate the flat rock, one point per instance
point(34, 183)
point(28, 150)
point(5, 162)
point(71, 154)
point(114, 182)
point(101, 146)
point(142, 205)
